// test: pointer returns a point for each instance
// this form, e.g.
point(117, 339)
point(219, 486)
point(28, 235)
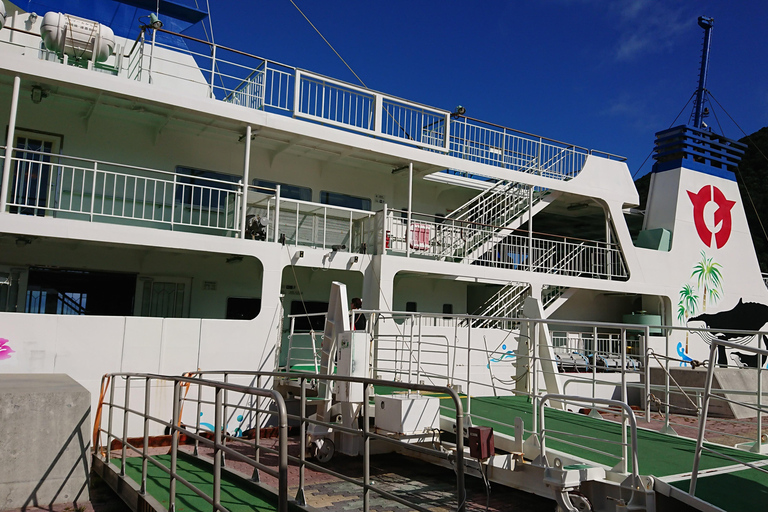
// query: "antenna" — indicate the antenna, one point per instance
point(698, 109)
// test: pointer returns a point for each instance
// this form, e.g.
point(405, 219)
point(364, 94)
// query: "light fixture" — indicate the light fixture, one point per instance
point(154, 21)
point(353, 259)
point(38, 93)
point(300, 254)
point(459, 111)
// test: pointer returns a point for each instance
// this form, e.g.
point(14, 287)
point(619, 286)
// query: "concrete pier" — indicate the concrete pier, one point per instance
point(45, 446)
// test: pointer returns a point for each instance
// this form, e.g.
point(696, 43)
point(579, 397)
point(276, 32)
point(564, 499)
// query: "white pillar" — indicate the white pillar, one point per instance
point(9, 144)
point(410, 209)
point(530, 229)
point(246, 179)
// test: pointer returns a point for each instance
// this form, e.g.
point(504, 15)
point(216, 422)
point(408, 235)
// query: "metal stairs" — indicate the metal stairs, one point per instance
point(486, 219)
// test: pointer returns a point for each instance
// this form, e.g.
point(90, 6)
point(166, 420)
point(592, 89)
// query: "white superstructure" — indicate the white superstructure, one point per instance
point(167, 208)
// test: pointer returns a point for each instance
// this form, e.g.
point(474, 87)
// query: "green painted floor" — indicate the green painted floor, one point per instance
point(659, 454)
point(233, 496)
point(737, 491)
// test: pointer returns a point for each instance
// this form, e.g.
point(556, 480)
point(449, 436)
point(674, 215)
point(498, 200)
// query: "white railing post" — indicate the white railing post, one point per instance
point(173, 202)
point(263, 99)
point(93, 188)
point(9, 144)
point(297, 93)
point(378, 112)
point(277, 212)
point(246, 179)
point(213, 70)
point(151, 55)
point(447, 133)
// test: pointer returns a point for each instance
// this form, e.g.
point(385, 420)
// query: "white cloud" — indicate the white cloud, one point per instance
point(649, 26)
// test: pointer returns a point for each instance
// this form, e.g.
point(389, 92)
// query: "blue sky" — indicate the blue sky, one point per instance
point(600, 74)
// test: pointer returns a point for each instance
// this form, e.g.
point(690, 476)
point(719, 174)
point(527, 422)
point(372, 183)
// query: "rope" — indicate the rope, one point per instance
point(329, 44)
point(694, 364)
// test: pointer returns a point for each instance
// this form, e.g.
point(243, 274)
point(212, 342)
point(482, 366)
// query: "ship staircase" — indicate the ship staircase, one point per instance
point(498, 211)
point(504, 307)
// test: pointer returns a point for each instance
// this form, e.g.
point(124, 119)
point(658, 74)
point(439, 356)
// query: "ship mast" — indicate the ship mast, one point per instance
point(698, 110)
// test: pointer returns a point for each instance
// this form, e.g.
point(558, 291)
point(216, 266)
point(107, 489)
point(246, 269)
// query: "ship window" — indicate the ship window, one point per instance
point(344, 200)
point(243, 308)
point(410, 307)
point(286, 191)
point(79, 292)
point(32, 173)
point(194, 187)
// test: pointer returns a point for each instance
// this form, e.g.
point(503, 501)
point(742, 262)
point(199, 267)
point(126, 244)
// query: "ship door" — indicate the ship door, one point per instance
point(31, 181)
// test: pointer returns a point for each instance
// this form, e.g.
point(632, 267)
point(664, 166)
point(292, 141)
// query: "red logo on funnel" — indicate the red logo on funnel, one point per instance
point(722, 215)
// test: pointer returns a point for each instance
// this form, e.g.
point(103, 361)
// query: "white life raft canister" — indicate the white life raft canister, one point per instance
point(77, 37)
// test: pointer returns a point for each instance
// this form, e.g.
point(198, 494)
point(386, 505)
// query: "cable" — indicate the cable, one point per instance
point(738, 170)
point(670, 126)
point(326, 42)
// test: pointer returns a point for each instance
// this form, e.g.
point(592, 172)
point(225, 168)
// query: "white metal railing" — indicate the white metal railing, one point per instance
point(244, 79)
point(93, 190)
point(71, 187)
point(297, 222)
point(219, 396)
point(628, 447)
point(303, 351)
point(759, 406)
point(429, 235)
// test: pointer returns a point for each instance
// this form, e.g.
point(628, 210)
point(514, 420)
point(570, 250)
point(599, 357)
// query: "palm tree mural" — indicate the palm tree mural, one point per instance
point(708, 275)
point(686, 308)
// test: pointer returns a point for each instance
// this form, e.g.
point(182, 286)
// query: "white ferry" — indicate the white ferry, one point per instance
point(169, 204)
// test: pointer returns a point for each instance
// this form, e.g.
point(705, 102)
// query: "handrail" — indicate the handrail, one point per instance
point(708, 395)
point(176, 428)
point(628, 416)
point(457, 455)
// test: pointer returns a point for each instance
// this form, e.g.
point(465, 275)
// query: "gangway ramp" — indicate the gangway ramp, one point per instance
point(668, 459)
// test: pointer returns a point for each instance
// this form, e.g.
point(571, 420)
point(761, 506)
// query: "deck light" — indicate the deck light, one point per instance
point(38, 93)
point(154, 21)
point(459, 111)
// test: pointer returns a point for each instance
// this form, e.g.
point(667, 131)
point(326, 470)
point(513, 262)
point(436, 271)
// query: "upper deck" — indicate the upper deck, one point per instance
point(203, 70)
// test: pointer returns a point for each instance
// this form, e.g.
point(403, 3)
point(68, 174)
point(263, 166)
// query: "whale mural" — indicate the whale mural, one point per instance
point(748, 316)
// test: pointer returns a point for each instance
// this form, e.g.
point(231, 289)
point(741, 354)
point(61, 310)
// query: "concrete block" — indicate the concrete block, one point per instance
point(44, 440)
